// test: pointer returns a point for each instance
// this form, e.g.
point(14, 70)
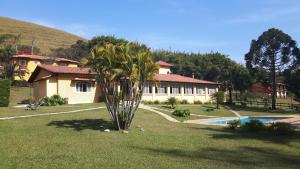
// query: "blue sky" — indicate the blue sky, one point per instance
point(225, 26)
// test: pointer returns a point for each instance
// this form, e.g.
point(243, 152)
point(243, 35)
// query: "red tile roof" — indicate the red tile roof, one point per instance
point(180, 79)
point(66, 69)
point(38, 57)
point(35, 57)
point(162, 63)
point(65, 60)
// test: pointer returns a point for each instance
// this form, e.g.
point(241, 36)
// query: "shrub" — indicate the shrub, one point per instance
point(197, 102)
point(156, 102)
point(184, 101)
point(218, 97)
point(244, 104)
point(52, 101)
point(45, 101)
point(254, 125)
point(149, 102)
point(282, 128)
point(4, 93)
point(172, 101)
point(182, 113)
point(233, 124)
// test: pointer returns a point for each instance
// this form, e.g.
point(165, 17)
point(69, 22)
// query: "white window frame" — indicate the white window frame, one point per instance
point(147, 89)
point(211, 91)
point(175, 86)
point(160, 88)
point(188, 89)
point(80, 86)
point(200, 90)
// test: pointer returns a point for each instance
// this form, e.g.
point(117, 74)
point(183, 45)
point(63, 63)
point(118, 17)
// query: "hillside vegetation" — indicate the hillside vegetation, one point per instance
point(45, 37)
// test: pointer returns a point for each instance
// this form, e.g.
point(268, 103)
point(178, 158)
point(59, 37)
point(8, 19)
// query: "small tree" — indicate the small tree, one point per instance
point(218, 97)
point(124, 66)
point(172, 101)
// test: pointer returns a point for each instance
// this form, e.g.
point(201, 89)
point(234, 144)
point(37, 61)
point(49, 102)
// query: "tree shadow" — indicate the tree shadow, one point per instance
point(85, 124)
point(239, 134)
point(244, 156)
point(209, 106)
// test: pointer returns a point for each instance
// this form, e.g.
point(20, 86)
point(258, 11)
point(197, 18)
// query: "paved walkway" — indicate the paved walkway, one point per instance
point(158, 112)
point(234, 112)
point(48, 114)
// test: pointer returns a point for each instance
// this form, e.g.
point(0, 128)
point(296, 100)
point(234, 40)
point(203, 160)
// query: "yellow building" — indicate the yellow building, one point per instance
point(78, 85)
point(26, 64)
point(75, 84)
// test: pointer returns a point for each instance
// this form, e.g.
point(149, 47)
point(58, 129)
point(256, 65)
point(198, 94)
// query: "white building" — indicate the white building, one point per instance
point(180, 87)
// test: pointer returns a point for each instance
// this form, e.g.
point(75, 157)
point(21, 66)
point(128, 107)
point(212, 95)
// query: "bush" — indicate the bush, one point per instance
point(52, 101)
point(184, 101)
point(182, 113)
point(282, 128)
point(244, 104)
point(172, 101)
point(254, 125)
point(197, 102)
point(233, 124)
point(4, 93)
point(156, 102)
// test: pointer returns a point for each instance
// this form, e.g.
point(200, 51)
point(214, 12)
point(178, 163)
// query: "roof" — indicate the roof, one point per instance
point(38, 57)
point(66, 69)
point(60, 70)
point(35, 57)
point(260, 88)
point(162, 63)
point(180, 79)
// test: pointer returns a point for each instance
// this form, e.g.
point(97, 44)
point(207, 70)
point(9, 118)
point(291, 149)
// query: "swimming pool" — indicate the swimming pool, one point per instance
point(243, 120)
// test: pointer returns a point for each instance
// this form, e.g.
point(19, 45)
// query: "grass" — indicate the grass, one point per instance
point(45, 37)
point(77, 141)
point(259, 111)
point(196, 109)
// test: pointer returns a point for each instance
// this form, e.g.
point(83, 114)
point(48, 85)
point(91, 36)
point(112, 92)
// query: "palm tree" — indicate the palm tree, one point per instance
point(122, 70)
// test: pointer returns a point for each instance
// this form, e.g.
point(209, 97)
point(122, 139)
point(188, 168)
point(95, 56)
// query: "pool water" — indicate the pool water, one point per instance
point(243, 120)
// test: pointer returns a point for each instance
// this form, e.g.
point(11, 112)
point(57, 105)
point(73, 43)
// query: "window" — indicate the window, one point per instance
point(188, 89)
point(175, 89)
point(63, 64)
point(83, 87)
point(200, 90)
point(161, 89)
point(211, 91)
point(147, 89)
point(23, 62)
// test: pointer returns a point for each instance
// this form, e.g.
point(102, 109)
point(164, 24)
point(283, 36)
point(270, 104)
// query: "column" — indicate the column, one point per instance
point(182, 91)
point(206, 93)
point(168, 90)
point(153, 92)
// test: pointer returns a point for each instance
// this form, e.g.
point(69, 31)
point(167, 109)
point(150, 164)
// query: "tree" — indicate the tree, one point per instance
point(273, 51)
point(172, 101)
point(219, 98)
point(7, 50)
point(126, 66)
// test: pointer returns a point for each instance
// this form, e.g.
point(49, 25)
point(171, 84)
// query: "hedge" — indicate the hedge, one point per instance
point(4, 92)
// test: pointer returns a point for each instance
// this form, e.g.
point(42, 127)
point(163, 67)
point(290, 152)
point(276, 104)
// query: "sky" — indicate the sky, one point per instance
point(199, 26)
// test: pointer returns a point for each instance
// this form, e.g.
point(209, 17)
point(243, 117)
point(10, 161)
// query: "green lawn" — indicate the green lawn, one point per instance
point(76, 141)
point(257, 111)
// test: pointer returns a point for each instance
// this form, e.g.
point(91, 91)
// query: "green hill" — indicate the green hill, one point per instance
point(45, 37)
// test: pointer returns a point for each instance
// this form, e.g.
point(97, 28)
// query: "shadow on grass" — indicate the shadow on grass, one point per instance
point(85, 124)
point(225, 133)
point(209, 106)
point(245, 156)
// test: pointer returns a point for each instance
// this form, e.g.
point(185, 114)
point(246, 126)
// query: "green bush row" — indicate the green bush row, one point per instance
point(4, 93)
point(52, 101)
point(280, 128)
point(182, 113)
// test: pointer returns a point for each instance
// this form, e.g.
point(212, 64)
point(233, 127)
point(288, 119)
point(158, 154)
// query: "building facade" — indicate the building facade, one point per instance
point(78, 85)
point(180, 87)
point(26, 64)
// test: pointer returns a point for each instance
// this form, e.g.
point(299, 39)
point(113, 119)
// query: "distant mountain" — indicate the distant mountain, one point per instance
point(45, 37)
